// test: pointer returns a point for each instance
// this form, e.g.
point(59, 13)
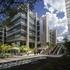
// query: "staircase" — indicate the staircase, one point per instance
point(56, 51)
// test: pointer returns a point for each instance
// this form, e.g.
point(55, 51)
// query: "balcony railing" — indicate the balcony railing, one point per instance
point(21, 23)
point(31, 28)
point(32, 34)
point(16, 39)
point(16, 31)
point(23, 15)
point(22, 30)
point(31, 40)
point(12, 26)
point(23, 38)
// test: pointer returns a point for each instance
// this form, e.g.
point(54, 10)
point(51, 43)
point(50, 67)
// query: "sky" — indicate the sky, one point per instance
point(56, 12)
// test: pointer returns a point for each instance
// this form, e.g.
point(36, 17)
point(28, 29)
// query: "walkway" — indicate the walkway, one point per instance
point(22, 60)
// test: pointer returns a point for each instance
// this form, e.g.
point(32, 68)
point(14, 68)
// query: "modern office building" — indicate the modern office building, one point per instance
point(23, 29)
point(47, 36)
point(44, 31)
point(53, 37)
point(67, 2)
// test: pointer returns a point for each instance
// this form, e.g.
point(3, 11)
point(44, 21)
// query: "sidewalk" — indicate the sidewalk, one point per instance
point(19, 58)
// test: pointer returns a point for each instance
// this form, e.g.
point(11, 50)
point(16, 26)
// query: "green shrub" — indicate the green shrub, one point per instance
point(24, 49)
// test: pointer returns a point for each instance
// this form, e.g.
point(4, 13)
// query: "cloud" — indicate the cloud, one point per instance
point(60, 38)
point(56, 4)
point(57, 16)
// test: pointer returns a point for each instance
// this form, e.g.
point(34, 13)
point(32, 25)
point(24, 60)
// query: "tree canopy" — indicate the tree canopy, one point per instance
point(67, 45)
point(10, 7)
point(7, 4)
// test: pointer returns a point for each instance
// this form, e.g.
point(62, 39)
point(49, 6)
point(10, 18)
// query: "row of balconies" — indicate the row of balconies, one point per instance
point(68, 14)
point(21, 38)
point(16, 24)
point(22, 15)
point(68, 8)
point(30, 35)
point(9, 33)
point(15, 32)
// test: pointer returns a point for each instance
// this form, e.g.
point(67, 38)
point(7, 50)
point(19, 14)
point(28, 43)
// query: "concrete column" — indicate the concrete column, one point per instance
point(3, 35)
point(36, 32)
point(27, 43)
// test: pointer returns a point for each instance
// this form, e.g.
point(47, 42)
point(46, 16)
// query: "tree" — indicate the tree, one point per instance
point(4, 48)
point(67, 45)
point(25, 49)
point(7, 4)
point(11, 7)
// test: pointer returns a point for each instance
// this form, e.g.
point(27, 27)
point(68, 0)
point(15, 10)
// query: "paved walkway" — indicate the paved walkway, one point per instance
point(26, 57)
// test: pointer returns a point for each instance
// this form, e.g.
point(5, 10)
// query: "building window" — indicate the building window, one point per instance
point(38, 28)
point(38, 39)
point(38, 33)
point(37, 22)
